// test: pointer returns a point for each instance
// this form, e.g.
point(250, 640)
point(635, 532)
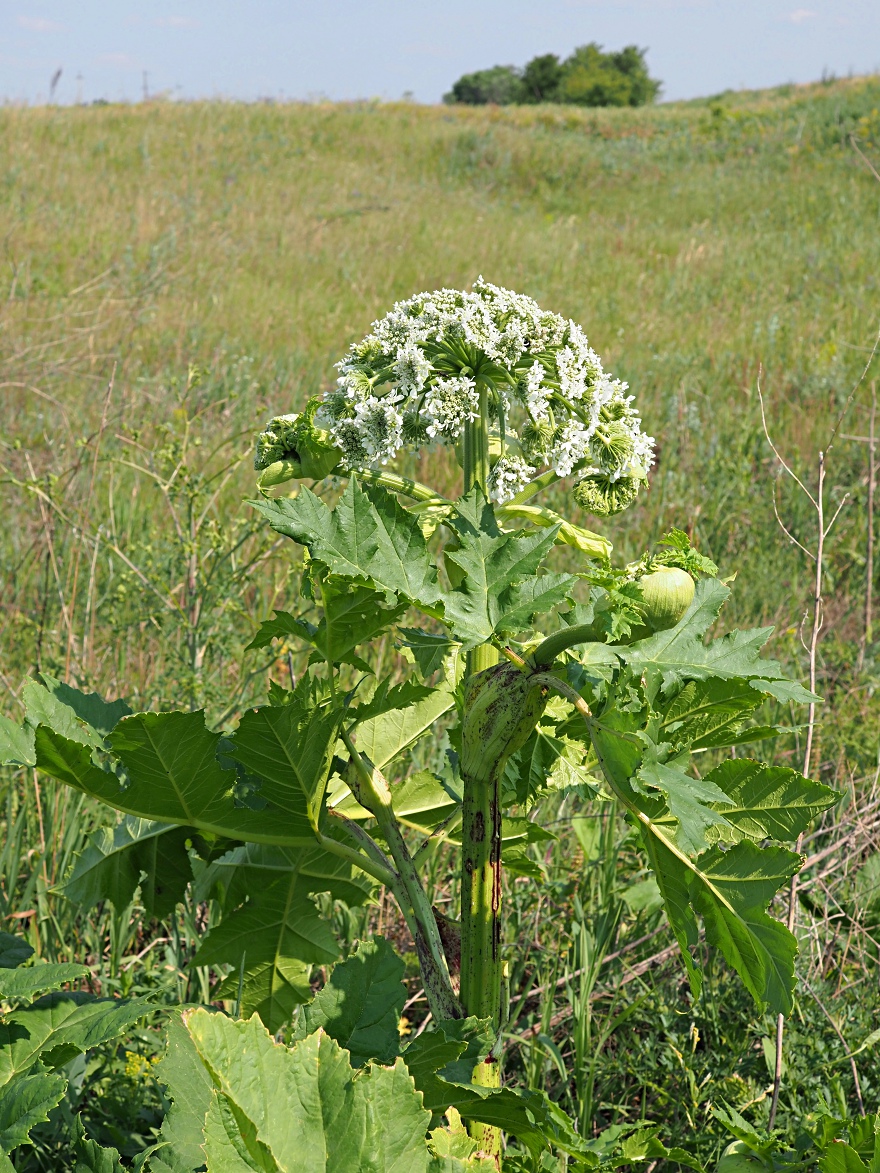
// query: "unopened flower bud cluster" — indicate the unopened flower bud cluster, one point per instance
point(417, 377)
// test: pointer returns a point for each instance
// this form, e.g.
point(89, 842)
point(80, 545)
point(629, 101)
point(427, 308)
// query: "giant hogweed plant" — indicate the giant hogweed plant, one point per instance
point(601, 680)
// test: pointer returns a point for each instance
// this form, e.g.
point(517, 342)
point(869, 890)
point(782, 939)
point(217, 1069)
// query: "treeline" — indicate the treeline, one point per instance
point(588, 77)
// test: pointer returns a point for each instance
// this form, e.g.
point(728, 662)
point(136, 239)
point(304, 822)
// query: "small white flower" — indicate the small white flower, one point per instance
point(570, 448)
point(450, 404)
point(412, 369)
point(507, 476)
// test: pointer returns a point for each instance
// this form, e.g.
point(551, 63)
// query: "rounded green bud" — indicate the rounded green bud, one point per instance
point(667, 594)
point(603, 498)
point(291, 447)
point(501, 708)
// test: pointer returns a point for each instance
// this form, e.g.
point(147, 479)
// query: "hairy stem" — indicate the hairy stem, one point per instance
point(481, 847)
point(371, 790)
point(398, 484)
point(554, 645)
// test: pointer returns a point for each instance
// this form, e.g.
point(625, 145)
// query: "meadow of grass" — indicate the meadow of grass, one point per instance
point(171, 274)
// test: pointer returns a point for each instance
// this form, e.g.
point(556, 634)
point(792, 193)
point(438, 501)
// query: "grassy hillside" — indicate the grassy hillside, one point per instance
point(697, 242)
point(171, 274)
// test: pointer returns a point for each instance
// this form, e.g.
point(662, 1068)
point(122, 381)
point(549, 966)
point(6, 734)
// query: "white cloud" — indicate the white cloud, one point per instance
point(39, 24)
point(800, 15)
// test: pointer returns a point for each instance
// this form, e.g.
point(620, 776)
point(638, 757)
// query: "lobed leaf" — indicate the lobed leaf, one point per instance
point(136, 852)
point(768, 802)
point(361, 1003)
point(25, 1101)
point(303, 1107)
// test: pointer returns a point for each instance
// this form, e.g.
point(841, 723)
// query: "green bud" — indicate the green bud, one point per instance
point(603, 498)
point(502, 706)
point(291, 447)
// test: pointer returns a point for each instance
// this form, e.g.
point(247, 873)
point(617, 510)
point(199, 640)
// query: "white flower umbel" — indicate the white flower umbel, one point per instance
point(508, 475)
point(419, 375)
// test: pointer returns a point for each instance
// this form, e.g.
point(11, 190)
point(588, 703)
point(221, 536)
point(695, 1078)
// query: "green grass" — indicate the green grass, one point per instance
point(210, 262)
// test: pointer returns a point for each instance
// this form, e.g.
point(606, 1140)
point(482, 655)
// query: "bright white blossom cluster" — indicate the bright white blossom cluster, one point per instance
point(425, 369)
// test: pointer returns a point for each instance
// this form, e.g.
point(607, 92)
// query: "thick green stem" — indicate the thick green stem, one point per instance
point(371, 790)
point(481, 847)
point(554, 645)
point(398, 484)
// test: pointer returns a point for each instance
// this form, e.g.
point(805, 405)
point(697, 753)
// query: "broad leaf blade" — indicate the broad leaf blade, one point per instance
point(136, 852)
point(26, 1101)
point(304, 1104)
point(361, 1003)
point(22, 984)
point(768, 802)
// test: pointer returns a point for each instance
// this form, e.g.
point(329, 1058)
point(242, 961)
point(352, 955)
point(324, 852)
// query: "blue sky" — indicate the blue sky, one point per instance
point(344, 49)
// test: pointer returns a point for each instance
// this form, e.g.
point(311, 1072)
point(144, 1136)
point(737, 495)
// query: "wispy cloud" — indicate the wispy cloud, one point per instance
point(176, 22)
point(800, 15)
point(39, 24)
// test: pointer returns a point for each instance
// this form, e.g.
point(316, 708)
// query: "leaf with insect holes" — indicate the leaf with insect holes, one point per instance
point(288, 1103)
point(135, 853)
point(369, 537)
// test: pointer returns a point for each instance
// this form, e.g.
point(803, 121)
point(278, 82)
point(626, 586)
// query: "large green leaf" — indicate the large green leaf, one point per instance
point(687, 799)
point(27, 1100)
point(134, 852)
point(420, 801)
point(173, 776)
point(273, 939)
point(304, 1105)
point(291, 749)
point(190, 1089)
point(768, 802)
point(16, 744)
point(429, 650)
point(361, 1003)
point(90, 1156)
point(680, 653)
point(45, 708)
point(441, 1061)
point(731, 891)
point(708, 713)
point(534, 596)
point(18, 985)
point(353, 615)
point(368, 537)
point(88, 706)
point(60, 1026)
point(389, 698)
point(384, 737)
point(494, 566)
